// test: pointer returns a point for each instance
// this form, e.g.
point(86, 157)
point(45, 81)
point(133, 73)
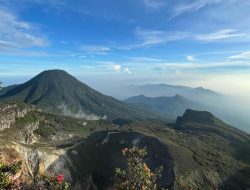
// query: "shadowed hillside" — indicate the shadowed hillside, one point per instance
point(169, 107)
point(100, 154)
point(55, 91)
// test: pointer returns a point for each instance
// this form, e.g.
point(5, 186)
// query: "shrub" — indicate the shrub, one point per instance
point(51, 182)
point(137, 175)
point(9, 180)
point(7, 176)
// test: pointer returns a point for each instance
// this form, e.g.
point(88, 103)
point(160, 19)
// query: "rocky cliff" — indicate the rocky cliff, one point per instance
point(10, 112)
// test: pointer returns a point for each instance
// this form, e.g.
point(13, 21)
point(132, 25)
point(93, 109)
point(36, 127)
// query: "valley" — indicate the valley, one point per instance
point(197, 151)
point(124, 95)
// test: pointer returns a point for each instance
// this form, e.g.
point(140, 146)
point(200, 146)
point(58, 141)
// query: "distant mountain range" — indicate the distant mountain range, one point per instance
point(170, 107)
point(57, 92)
point(228, 108)
point(158, 90)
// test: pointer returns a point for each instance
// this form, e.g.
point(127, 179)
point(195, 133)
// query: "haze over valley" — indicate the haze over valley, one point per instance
point(124, 95)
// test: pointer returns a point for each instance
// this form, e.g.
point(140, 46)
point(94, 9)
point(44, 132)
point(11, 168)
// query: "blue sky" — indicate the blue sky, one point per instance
point(189, 42)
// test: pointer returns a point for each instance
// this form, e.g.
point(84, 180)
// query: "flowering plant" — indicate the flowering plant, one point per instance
point(9, 178)
point(60, 178)
point(51, 182)
point(137, 175)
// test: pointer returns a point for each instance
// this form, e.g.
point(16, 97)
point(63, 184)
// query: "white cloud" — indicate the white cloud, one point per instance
point(190, 58)
point(155, 4)
point(147, 38)
point(126, 70)
point(150, 37)
point(15, 33)
point(48, 4)
point(191, 66)
point(193, 6)
point(95, 49)
point(243, 55)
point(179, 7)
point(148, 68)
point(222, 66)
point(21, 52)
point(154, 37)
point(117, 68)
point(110, 66)
point(219, 35)
point(82, 56)
point(146, 59)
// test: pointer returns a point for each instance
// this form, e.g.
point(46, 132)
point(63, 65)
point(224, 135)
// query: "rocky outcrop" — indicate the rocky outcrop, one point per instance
point(27, 133)
point(38, 161)
point(196, 116)
point(9, 113)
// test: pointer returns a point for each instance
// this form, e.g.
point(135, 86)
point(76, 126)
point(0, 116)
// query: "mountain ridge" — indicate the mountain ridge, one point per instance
point(171, 107)
point(156, 90)
point(200, 122)
point(56, 91)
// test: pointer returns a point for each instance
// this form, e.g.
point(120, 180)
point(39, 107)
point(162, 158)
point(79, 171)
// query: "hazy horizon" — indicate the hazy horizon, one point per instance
point(125, 94)
point(106, 84)
point(194, 43)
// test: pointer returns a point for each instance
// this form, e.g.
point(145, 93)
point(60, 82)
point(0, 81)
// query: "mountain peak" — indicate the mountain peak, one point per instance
point(204, 90)
point(53, 71)
point(177, 96)
point(202, 115)
point(54, 80)
point(55, 74)
point(200, 88)
point(56, 91)
point(196, 116)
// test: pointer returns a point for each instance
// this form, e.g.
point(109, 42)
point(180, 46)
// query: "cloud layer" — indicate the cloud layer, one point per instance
point(132, 39)
point(15, 33)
